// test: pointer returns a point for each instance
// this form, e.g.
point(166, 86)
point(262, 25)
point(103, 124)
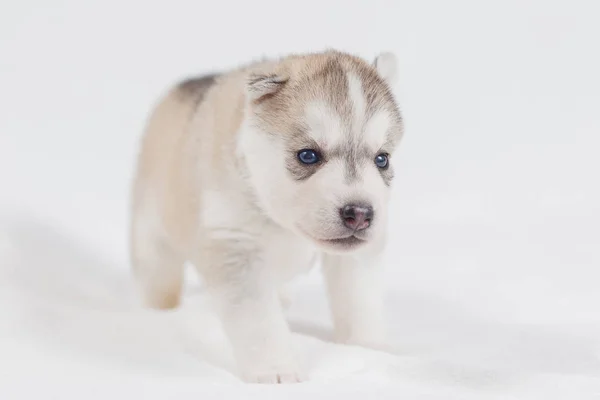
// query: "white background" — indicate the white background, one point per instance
point(494, 267)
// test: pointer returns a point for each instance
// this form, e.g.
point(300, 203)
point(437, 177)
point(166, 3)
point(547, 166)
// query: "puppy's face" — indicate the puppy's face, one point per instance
point(319, 144)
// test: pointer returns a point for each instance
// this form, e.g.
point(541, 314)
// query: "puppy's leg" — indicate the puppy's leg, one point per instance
point(249, 308)
point(356, 299)
point(157, 268)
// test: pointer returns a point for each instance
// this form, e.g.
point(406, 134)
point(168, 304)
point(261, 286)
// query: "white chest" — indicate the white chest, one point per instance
point(287, 255)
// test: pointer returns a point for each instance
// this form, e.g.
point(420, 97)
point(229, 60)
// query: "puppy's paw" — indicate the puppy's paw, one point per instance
point(283, 375)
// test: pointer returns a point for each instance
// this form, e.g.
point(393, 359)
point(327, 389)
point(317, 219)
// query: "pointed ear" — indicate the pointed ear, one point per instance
point(260, 85)
point(387, 66)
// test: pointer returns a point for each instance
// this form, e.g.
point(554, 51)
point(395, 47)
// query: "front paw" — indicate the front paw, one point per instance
point(273, 376)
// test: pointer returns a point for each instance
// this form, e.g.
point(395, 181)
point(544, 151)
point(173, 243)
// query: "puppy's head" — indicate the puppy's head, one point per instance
point(318, 140)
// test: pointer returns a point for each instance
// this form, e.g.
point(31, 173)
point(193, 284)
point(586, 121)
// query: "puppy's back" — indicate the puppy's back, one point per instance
point(160, 182)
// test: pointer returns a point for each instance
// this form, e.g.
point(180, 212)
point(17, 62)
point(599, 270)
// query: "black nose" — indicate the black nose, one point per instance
point(357, 217)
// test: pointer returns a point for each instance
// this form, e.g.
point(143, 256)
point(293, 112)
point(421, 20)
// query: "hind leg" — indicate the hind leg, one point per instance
point(157, 267)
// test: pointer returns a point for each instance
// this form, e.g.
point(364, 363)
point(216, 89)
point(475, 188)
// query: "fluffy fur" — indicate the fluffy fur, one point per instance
point(219, 184)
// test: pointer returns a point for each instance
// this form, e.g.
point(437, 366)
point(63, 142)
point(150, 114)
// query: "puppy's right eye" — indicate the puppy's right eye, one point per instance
point(308, 156)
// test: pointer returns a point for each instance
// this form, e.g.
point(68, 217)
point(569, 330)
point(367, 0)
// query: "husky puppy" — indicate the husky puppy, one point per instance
point(252, 175)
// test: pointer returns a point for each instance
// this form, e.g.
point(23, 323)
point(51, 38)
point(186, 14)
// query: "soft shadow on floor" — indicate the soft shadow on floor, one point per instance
point(441, 342)
point(61, 294)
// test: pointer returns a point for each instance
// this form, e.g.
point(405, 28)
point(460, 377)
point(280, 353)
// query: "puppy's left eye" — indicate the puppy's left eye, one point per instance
point(382, 161)
point(308, 156)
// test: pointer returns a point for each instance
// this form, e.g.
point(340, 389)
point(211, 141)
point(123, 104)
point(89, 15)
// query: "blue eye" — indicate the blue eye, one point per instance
point(308, 156)
point(382, 161)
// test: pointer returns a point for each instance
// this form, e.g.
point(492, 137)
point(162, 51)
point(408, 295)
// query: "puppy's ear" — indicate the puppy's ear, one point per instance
point(386, 64)
point(261, 85)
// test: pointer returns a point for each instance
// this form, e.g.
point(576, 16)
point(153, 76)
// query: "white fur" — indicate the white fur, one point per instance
point(218, 211)
point(249, 264)
point(376, 129)
point(248, 300)
point(355, 294)
point(324, 125)
point(359, 103)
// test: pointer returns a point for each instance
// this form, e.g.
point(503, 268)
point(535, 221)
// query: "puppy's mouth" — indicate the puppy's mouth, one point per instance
point(343, 243)
point(339, 243)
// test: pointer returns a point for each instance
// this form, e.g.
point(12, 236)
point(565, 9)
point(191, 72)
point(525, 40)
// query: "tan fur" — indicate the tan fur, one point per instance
point(168, 178)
